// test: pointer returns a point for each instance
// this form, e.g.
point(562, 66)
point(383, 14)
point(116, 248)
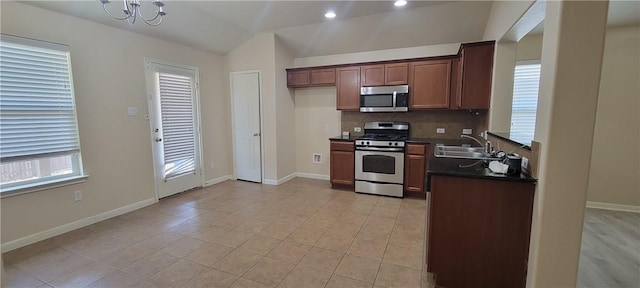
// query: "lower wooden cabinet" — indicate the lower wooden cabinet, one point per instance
point(479, 232)
point(342, 163)
point(416, 163)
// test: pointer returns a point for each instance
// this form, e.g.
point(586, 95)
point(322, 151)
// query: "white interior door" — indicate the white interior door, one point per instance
point(245, 95)
point(175, 132)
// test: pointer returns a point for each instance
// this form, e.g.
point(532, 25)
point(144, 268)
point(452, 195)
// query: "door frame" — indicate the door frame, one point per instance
point(233, 126)
point(151, 114)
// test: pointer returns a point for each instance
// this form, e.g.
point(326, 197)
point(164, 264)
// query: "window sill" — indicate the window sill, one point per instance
point(35, 187)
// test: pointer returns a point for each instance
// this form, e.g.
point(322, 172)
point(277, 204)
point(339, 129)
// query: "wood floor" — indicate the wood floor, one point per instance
point(610, 253)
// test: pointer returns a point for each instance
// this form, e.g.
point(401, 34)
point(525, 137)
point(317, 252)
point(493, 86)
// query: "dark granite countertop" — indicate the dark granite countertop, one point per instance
point(339, 138)
point(451, 167)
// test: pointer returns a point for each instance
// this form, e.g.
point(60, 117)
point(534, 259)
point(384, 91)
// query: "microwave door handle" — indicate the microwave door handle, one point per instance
point(394, 99)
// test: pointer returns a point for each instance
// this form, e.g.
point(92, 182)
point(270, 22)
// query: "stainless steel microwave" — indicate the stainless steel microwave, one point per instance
point(384, 99)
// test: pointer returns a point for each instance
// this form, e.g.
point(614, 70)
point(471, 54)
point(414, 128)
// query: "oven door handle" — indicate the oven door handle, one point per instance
point(390, 149)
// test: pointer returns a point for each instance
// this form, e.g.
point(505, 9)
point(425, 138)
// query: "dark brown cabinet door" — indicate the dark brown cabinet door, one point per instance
point(416, 163)
point(323, 77)
point(342, 163)
point(479, 232)
point(348, 88)
point(396, 74)
point(372, 75)
point(298, 78)
point(430, 84)
point(474, 76)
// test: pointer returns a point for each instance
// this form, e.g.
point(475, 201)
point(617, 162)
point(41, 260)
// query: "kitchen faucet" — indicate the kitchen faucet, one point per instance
point(488, 147)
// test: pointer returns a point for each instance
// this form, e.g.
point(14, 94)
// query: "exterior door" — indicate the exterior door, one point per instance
point(245, 98)
point(173, 111)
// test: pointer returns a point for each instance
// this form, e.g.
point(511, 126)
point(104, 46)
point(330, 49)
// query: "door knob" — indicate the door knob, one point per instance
point(256, 134)
point(158, 139)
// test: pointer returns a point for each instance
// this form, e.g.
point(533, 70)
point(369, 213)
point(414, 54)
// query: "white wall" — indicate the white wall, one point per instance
point(615, 162)
point(285, 113)
point(109, 76)
point(315, 111)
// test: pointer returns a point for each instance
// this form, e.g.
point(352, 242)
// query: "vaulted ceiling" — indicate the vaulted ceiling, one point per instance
point(220, 26)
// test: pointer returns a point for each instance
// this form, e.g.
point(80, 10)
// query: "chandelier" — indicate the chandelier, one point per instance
point(131, 10)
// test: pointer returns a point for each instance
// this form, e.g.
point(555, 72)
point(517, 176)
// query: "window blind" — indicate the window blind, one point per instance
point(37, 109)
point(178, 125)
point(526, 82)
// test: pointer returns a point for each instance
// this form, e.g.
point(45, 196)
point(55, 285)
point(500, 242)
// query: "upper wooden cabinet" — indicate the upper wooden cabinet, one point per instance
point(472, 76)
point(429, 83)
point(311, 77)
point(298, 78)
point(384, 74)
point(348, 88)
point(323, 77)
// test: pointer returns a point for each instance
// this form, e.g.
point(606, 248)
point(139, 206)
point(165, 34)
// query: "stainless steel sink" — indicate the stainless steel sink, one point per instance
point(461, 152)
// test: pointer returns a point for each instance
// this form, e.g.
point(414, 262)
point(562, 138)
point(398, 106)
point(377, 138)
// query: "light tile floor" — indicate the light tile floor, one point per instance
point(239, 234)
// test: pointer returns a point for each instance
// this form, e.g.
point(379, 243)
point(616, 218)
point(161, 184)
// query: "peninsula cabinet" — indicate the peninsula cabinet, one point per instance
point(348, 88)
point(384, 74)
point(342, 163)
point(430, 84)
point(479, 231)
point(416, 163)
point(472, 76)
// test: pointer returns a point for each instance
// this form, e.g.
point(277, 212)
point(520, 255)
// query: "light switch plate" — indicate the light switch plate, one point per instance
point(467, 131)
point(440, 130)
point(357, 129)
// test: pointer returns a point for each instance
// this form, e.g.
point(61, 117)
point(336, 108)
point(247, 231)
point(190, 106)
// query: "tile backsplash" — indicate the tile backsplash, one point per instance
point(422, 124)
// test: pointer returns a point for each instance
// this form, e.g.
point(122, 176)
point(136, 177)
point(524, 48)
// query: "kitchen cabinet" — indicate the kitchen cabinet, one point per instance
point(416, 164)
point(348, 88)
point(298, 78)
point(479, 231)
point(430, 84)
point(472, 74)
point(311, 77)
point(342, 163)
point(384, 74)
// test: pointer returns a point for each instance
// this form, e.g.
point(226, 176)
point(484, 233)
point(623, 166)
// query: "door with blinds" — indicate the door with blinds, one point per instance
point(175, 132)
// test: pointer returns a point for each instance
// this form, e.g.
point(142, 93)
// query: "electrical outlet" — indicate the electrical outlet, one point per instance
point(440, 130)
point(317, 158)
point(467, 131)
point(357, 129)
point(77, 196)
point(525, 162)
point(212, 165)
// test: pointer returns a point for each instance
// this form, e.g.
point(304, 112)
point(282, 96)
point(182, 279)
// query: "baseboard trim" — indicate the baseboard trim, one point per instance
point(33, 238)
point(279, 181)
point(615, 207)
point(312, 176)
point(217, 180)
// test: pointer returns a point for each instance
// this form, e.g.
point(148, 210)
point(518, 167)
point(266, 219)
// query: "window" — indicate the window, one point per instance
point(526, 81)
point(38, 128)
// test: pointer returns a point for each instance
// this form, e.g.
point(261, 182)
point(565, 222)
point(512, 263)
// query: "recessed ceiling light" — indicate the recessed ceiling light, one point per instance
point(400, 3)
point(330, 15)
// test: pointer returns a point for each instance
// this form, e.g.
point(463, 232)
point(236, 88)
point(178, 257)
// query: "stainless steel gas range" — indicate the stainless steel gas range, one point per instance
point(380, 158)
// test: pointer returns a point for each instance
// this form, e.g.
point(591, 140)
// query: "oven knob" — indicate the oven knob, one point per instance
point(367, 142)
point(396, 143)
point(390, 144)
